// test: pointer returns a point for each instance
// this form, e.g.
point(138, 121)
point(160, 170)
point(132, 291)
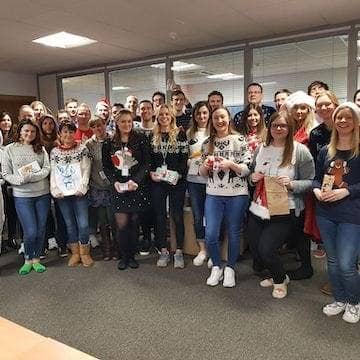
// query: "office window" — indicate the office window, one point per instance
point(223, 72)
point(86, 88)
point(140, 81)
point(295, 65)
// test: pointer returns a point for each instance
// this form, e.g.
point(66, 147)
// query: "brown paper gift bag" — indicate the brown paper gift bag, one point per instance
point(277, 197)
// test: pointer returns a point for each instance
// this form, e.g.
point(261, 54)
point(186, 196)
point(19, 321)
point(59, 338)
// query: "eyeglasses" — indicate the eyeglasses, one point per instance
point(281, 126)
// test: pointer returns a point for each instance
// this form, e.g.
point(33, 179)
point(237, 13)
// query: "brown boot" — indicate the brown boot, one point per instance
point(106, 242)
point(85, 255)
point(75, 255)
point(326, 289)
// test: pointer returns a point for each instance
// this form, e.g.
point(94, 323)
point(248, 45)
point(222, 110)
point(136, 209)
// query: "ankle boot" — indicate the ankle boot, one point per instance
point(85, 256)
point(75, 254)
point(106, 242)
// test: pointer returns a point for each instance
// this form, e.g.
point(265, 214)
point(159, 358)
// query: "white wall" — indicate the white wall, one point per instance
point(48, 92)
point(17, 84)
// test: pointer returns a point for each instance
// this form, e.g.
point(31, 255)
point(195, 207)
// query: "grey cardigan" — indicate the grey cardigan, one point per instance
point(304, 174)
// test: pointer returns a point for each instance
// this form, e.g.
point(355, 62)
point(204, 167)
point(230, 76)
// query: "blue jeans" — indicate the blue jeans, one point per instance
point(342, 245)
point(33, 213)
point(232, 210)
point(75, 210)
point(197, 194)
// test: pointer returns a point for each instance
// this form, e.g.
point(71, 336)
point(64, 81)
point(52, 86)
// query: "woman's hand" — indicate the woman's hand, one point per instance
point(284, 181)
point(79, 194)
point(154, 176)
point(132, 185)
point(118, 187)
point(335, 195)
point(58, 195)
point(256, 177)
point(209, 163)
point(224, 164)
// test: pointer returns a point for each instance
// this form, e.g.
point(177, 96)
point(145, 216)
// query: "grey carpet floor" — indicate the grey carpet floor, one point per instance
point(153, 313)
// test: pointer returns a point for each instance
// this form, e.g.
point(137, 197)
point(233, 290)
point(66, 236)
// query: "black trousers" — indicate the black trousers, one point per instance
point(267, 236)
point(176, 193)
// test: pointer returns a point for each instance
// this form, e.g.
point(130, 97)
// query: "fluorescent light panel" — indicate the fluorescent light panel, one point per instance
point(64, 40)
point(178, 66)
point(225, 76)
point(119, 88)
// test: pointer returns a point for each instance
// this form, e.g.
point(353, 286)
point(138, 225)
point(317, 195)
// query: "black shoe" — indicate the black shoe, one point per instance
point(122, 264)
point(133, 263)
point(63, 252)
point(301, 273)
point(44, 254)
point(145, 250)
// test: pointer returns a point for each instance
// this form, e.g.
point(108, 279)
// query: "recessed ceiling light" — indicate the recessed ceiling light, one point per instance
point(178, 66)
point(64, 40)
point(118, 88)
point(225, 76)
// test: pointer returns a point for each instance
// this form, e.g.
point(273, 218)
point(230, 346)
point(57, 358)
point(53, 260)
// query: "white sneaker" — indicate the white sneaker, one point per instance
point(334, 308)
point(93, 241)
point(352, 313)
point(210, 263)
point(179, 259)
point(215, 277)
point(200, 258)
point(52, 243)
point(164, 259)
point(229, 277)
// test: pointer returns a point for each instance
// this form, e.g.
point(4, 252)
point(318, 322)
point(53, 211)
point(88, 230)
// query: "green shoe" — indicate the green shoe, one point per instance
point(39, 268)
point(25, 269)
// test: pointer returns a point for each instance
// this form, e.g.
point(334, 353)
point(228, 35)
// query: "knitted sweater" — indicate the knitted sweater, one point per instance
point(195, 160)
point(35, 184)
point(226, 182)
point(63, 157)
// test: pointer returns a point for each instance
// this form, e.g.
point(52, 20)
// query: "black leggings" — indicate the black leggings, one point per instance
point(267, 236)
point(127, 233)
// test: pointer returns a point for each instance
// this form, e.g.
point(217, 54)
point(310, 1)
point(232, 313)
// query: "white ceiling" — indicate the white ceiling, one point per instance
point(132, 29)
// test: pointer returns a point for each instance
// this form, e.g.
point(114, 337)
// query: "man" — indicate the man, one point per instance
point(317, 87)
point(158, 99)
point(71, 106)
point(103, 109)
point(279, 98)
point(132, 105)
point(146, 125)
point(215, 100)
point(255, 96)
point(111, 126)
point(83, 131)
point(178, 103)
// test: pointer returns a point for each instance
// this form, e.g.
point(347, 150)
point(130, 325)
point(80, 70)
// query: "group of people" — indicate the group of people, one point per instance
point(284, 176)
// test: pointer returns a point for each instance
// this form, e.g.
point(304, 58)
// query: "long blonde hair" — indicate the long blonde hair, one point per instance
point(173, 132)
point(309, 121)
point(332, 147)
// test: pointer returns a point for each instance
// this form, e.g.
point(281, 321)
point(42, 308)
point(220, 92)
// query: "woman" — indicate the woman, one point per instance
point(39, 110)
point(57, 226)
point(290, 165)
point(69, 178)
point(126, 163)
point(252, 126)
point(6, 127)
point(226, 160)
point(169, 155)
point(357, 97)
point(99, 193)
point(26, 167)
point(196, 135)
point(337, 190)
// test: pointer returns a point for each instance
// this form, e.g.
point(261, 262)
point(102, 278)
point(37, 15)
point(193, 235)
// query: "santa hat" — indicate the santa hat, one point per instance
point(350, 105)
point(103, 102)
point(299, 98)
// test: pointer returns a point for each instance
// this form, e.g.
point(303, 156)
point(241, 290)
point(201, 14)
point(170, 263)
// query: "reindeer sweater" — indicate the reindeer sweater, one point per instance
point(228, 183)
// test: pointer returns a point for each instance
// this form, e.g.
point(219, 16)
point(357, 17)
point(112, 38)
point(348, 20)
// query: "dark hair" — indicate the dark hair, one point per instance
point(289, 142)
point(177, 93)
point(145, 101)
point(95, 119)
point(254, 84)
point(244, 126)
point(118, 105)
point(44, 136)
point(317, 83)
point(356, 92)
point(286, 91)
point(36, 143)
point(66, 124)
point(8, 138)
point(194, 125)
point(70, 100)
point(117, 136)
point(217, 93)
point(158, 93)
